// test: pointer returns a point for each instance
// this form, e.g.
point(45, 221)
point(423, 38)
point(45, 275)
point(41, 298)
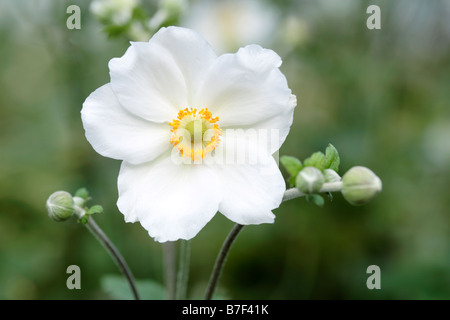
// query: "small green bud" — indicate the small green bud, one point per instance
point(309, 180)
point(60, 206)
point(360, 185)
point(79, 202)
point(84, 219)
point(331, 175)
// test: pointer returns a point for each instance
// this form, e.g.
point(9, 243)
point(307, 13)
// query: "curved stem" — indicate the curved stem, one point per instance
point(289, 194)
point(292, 193)
point(218, 266)
point(115, 254)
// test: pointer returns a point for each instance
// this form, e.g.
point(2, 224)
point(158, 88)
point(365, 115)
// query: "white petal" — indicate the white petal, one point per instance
point(190, 51)
point(251, 144)
point(274, 130)
point(251, 191)
point(116, 133)
point(155, 79)
point(147, 82)
point(247, 88)
point(170, 201)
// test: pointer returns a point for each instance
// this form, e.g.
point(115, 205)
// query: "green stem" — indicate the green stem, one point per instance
point(170, 269)
point(183, 270)
point(293, 193)
point(220, 261)
point(115, 254)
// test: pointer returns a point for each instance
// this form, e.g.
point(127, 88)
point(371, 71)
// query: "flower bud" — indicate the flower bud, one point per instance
point(309, 180)
point(60, 206)
point(360, 185)
point(331, 175)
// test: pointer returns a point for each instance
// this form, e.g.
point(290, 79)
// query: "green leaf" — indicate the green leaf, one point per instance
point(118, 287)
point(115, 30)
point(317, 199)
point(138, 14)
point(95, 209)
point(332, 159)
point(293, 166)
point(317, 160)
point(82, 193)
point(291, 181)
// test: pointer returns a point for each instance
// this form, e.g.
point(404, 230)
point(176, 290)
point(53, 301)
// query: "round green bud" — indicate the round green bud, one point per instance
point(309, 180)
point(360, 185)
point(60, 205)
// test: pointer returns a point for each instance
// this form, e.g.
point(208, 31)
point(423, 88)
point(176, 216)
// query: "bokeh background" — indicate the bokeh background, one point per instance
point(381, 97)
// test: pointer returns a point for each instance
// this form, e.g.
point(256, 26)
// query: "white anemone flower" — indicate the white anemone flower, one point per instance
point(196, 132)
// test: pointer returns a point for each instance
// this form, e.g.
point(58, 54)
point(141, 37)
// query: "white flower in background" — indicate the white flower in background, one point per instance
point(138, 32)
point(295, 31)
point(172, 99)
point(230, 24)
point(167, 9)
point(118, 12)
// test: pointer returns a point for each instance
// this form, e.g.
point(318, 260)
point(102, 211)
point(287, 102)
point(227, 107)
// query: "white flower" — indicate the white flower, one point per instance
point(173, 99)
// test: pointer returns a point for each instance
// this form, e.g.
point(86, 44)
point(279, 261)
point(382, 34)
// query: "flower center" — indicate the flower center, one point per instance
point(195, 134)
point(196, 127)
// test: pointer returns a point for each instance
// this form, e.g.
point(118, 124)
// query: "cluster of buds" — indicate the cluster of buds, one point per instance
point(358, 186)
point(131, 19)
point(319, 174)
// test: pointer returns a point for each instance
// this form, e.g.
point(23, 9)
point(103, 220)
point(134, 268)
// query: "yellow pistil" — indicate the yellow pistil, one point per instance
point(195, 134)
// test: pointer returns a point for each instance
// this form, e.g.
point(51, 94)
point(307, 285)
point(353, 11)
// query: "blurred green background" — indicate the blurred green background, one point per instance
point(381, 97)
